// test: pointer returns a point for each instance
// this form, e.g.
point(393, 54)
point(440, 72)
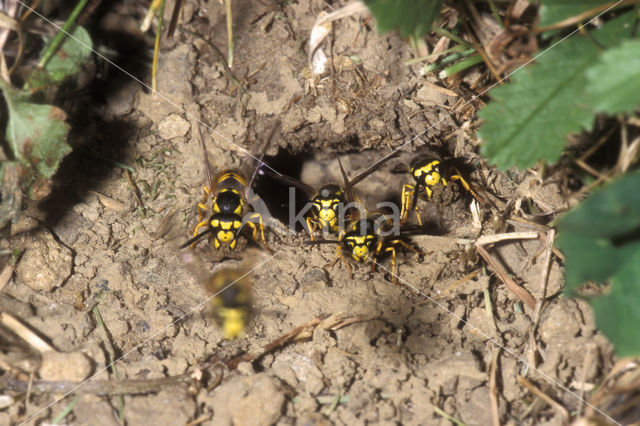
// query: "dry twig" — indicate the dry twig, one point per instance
point(546, 398)
point(519, 291)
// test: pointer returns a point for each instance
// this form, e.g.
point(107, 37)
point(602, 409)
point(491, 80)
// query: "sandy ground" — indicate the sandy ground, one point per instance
point(412, 351)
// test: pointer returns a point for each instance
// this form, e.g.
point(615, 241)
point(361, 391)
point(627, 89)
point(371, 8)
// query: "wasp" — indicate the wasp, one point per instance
point(428, 172)
point(228, 214)
point(232, 301)
point(362, 242)
point(328, 202)
point(230, 288)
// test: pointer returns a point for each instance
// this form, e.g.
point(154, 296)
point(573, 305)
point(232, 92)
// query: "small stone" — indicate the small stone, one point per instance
point(58, 366)
point(246, 369)
point(45, 264)
point(560, 320)
point(428, 96)
point(173, 126)
point(249, 400)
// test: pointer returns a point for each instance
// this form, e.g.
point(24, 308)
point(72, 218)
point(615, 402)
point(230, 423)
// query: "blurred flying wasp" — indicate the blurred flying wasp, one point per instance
point(230, 288)
point(428, 172)
point(327, 202)
point(367, 238)
point(230, 199)
point(233, 300)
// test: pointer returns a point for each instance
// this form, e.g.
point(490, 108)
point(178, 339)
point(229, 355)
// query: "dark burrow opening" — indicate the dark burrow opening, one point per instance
point(277, 194)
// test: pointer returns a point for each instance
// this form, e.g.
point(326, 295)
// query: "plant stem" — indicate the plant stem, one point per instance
point(229, 33)
point(62, 34)
point(447, 60)
point(156, 48)
point(462, 65)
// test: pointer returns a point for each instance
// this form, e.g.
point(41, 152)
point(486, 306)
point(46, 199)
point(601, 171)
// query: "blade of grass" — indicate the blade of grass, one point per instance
point(156, 48)
point(494, 12)
point(65, 412)
point(461, 66)
point(446, 33)
point(447, 60)
point(59, 38)
point(229, 33)
point(457, 48)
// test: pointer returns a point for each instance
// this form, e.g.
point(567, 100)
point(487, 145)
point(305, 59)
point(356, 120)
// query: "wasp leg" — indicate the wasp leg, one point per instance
point(374, 259)
point(340, 257)
point(311, 227)
point(202, 212)
point(202, 206)
point(394, 265)
point(408, 194)
point(409, 246)
point(466, 186)
point(254, 228)
point(201, 224)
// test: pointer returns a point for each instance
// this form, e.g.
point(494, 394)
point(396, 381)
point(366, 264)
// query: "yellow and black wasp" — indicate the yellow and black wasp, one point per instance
point(328, 202)
point(427, 173)
point(232, 301)
point(363, 243)
point(367, 238)
point(229, 288)
point(229, 211)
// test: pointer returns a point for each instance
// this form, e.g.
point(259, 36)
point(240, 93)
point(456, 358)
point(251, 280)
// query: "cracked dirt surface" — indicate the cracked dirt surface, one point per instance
point(421, 347)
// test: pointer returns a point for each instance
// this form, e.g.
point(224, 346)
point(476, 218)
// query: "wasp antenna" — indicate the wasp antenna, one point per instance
point(314, 242)
point(196, 238)
point(347, 183)
point(205, 157)
point(275, 127)
point(372, 168)
point(287, 180)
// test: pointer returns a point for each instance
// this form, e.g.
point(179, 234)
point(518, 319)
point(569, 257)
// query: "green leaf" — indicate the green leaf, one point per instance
point(553, 11)
point(618, 313)
point(411, 17)
point(36, 135)
point(600, 234)
point(609, 213)
point(601, 242)
point(614, 82)
point(67, 61)
point(528, 119)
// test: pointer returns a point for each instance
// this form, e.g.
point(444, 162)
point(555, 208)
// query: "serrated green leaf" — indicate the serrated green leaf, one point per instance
point(591, 259)
point(410, 17)
point(611, 212)
point(614, 82)
point(527, 120)
point(554, 11)
point(602, 233)
point(67, 61)
point(601, 242)
point(618, 313)
point(36, 134)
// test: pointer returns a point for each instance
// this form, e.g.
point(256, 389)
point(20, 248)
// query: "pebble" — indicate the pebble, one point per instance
point(173, 126)
point(45, 264)
point(59, 366)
